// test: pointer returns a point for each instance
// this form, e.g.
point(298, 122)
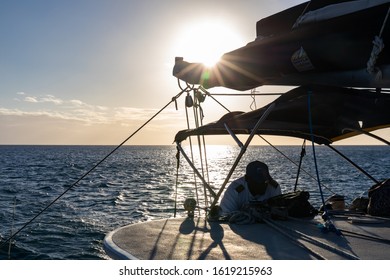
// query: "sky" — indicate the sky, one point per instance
point(91, 72)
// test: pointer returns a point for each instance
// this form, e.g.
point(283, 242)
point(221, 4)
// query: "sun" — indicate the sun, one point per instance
point(206, 41)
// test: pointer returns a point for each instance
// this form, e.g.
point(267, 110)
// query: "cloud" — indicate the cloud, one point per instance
point(44, 99)
point(76, 102)
point(31, 99)
point(20, 113)
point(86, 114)
point(10, 112)
point(51, 99)
point(47, 119)
point(50, 120)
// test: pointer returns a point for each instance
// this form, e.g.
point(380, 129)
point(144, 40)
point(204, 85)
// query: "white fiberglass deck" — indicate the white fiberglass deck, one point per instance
point(183, 238)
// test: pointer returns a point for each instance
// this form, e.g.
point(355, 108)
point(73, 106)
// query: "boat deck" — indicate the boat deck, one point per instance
point(193, 239)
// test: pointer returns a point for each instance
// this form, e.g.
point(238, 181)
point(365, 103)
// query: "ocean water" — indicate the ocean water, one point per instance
point(138, 183)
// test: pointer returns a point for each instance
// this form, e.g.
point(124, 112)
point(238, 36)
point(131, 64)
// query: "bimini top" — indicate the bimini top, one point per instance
point(327, 42)
point(336, 113)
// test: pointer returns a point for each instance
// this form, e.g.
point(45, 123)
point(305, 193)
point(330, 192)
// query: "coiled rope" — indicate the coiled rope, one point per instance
point(4, 242)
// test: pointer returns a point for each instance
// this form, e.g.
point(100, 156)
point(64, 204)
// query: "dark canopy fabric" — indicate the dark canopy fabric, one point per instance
point(336, 113)
point(329, 51)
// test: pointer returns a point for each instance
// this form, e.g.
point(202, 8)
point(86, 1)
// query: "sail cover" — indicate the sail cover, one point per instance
point(336, 113)
point(324, 42)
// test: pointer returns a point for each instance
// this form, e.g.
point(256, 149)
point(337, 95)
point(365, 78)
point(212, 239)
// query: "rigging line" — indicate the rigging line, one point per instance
point(205, 169)
point(296, 164)
point(204, 146)
point(354, 164)
point(192, 157)
point(242, 152)
point(12, 229)
point(303, 12)
point(206, 162)
point(204, 141)
point(384, 23)
point(177, 179)
point(303, 153)
point(194, 169)
point(253, 96)
point(204, 149)
point(312, 144)
point(269, 143)
point(92, 169)
point(328, 222)
point(188, 87)
point(212, 97)
point(243, 94)
point(378, 46)
point(196, 118)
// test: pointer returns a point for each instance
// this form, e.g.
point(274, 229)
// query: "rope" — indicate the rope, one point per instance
point(377, 48)
point(269, 143)
point(313, 146)
point(195, 170)
point(242, 151)
point(253, 96)
point(303, 153)
point(200, 99)
point(197, 118)
point(92, 169)
point(192, 156)
point(177, 180)
point(354, 164)
point(12, 229)
point(244, 94)
point(328, 223)
point(296, 164)
point(212, 97)
point(198, 115)
point(296, 24)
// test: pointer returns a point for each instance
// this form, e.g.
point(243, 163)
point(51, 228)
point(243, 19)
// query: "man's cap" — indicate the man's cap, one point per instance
point(258, 171)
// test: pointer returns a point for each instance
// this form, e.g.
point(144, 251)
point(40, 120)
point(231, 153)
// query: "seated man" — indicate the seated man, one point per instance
point(256, 185)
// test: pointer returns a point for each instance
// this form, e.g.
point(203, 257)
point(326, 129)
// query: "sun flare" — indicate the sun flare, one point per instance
point(206, 41)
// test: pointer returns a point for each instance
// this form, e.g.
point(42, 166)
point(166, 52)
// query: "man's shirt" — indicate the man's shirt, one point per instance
point(238, 194)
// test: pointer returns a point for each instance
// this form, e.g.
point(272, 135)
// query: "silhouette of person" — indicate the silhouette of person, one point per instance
point(256, 185)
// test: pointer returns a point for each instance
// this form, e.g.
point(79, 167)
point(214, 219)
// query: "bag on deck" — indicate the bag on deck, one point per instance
point(379, 199)
point(297, 204)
